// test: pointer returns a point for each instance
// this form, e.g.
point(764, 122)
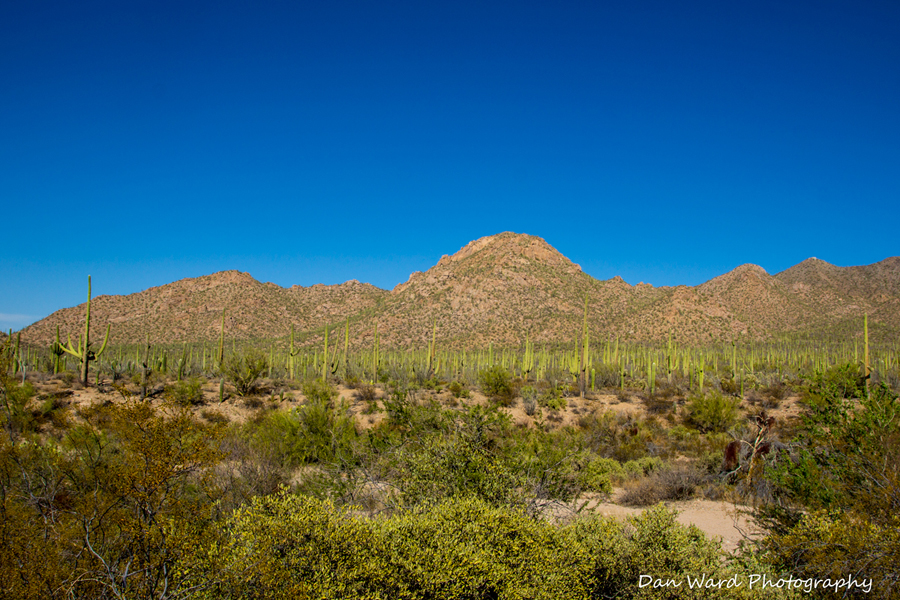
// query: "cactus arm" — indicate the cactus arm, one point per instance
point(69, 349)
point(105, 340)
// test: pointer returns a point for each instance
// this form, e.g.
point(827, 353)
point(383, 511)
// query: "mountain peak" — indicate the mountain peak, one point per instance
point(511, 245)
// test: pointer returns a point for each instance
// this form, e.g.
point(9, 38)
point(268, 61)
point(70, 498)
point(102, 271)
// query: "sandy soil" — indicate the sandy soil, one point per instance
point(721, 520)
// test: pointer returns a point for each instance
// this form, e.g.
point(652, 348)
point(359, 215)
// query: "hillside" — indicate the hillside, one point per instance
point(834, 297)
point(191, 310)
point(499, 289)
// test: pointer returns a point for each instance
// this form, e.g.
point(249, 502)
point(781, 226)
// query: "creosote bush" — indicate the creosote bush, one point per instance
point(496, 382)
point(188, 392)
point(244, 370)
point(712, 412)
point(458, 389)
point(316, 432)
point(286, 546)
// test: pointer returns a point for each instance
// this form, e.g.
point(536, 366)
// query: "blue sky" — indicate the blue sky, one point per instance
point(315, 142)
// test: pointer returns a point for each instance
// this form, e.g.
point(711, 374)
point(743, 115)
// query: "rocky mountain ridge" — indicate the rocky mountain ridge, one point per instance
point(500, 289)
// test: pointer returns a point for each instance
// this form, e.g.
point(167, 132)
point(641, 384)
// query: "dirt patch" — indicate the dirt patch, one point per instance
point(718, 520)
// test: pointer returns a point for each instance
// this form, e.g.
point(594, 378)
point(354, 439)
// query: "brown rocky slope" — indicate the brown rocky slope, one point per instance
point(499, 289)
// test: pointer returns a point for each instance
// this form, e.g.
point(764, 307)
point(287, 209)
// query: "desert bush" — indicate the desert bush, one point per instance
point(369, 394)
point(730, 386)
point(365, 393)
point(124, 487)
point(712, 412)
point(467, 548)
point(52, 408)
point(677, 483)
point(461, 548)
point(836, 500)
point(244, 370)
point(253, 402)
point(187, 393)
point(598, 473)
point(656, 405)
point(552, 398)
point(440, 468)
point(286, 546)
point(529, 400)
point(776, 392)
point(14, 397)
point(458, 389)
point(318, 431)
point(835, 384)
point(496, 382)
point(283, 546)
point(214, 416)
point(398, 406)
point(606, 376)
point(830, 545)
point(642, 466)
point(317, 391)
point(654, 544)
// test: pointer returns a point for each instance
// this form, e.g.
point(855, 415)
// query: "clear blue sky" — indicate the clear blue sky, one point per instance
point(315, 142)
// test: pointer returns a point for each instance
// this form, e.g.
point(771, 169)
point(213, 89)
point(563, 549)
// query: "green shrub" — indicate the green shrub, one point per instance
point(467, 548)
point(14, 397)
point(443, 467)
point(837, 383)
point(188, 392)
point(712, 412)
point(286, 546)
point(458, 389)
point(642, 467)
point(398, 406)
point(554, 402)
point(837, 499)
point(365, 393)
point(496, 382)
point(830, 544)
point(529, 400)
point(654, 544)
point(317, 391)
point(318, 431)
point(244, 371)
point(598, 473)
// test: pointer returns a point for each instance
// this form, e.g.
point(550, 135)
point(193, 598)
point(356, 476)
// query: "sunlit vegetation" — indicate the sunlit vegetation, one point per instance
point(223, 471)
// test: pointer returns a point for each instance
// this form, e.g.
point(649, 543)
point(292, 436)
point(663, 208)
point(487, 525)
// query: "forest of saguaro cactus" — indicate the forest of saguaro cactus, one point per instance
point(677, 443)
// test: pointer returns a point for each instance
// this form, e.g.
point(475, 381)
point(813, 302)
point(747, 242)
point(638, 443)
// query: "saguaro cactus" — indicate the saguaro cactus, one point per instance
point(292, 353)
point(868, 370)
point(83, 350)
point(585, 348)
point(429, 367)
point(57, 351)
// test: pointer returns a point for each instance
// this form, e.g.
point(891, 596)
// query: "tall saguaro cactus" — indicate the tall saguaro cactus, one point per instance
point(585, 349)
point(83, 350)
point(868, 370)
point(292, 353)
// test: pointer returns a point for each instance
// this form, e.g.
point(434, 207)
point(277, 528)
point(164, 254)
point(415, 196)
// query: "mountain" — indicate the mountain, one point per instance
point(192, 309)
point(499, 289)
point(835, 297)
